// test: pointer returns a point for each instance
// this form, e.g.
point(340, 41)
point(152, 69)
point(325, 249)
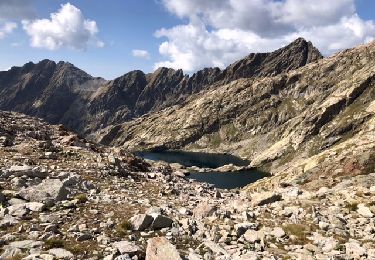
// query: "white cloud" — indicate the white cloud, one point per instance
point(220, 31)
point(7, 28)
point(66, 28)
point(141, 54)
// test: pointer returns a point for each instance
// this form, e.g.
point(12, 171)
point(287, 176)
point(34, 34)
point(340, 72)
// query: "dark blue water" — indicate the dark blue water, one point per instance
point(228, 180)
point(188, 159)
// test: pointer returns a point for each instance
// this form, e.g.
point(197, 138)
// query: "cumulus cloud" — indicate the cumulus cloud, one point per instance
point(141, 54)
point(7, 28)
point(220, 31)
point(66, 28)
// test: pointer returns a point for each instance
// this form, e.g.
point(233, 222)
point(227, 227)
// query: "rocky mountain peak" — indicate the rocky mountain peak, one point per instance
point(295, 55)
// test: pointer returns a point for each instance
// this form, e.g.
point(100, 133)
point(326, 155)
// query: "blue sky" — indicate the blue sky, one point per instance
point(188, 34)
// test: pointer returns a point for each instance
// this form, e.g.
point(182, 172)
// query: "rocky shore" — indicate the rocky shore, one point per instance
point(66, 198)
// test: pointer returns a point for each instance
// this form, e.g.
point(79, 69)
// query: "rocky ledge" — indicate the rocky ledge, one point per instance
point(66, 198)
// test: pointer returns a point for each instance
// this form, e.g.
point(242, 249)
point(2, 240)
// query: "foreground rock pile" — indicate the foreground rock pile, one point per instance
point(65, 198)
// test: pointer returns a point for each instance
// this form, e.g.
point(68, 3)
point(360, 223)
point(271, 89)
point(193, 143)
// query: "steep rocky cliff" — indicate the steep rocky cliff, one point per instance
point(62, 93)
point(314, 121)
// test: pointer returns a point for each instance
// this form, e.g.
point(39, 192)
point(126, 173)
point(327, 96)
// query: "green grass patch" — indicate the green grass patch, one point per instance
point(124, 227)
point(299, 231)
point(352, 206)
point(82, 198)
point(54, 243)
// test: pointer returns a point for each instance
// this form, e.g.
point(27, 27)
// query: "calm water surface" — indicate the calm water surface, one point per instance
point(228, 180)
point(188, 159)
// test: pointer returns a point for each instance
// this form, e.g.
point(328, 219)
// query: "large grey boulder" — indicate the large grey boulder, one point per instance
point(161, 221)
point(126, 247)
point(27, 171)
point(159, 248)
point(216, 249)
point(203, 210)
point(61, 253)
point(364, 211)
point(50, 190)
point(141, 221)
point(264, 198)
point(253, 236)
point(354, 249)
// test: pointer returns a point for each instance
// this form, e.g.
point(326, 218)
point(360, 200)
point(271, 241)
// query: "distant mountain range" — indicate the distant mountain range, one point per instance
point(60, 93)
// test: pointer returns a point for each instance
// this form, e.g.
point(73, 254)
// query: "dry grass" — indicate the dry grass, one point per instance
point(300, 231)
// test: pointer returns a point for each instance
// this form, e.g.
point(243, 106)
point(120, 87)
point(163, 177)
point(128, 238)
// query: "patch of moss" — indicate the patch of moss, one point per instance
point(215, 140)
point(16, 257)
point(75, 249)
point(82, 198)
point(123, 227)
point(54, 243)
point(352, 206)
point(300, 231)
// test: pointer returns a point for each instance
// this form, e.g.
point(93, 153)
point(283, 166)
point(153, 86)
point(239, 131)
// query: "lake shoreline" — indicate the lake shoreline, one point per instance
point(222, 170)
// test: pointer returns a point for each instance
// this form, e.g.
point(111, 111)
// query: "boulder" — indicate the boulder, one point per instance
point(60, 253)
point(278, 232)
point(354, 249)
point(50, 190)
point(159, 248)
point(26, 170)
point(253, 236)
point(35, 206)
point(263, 198)
point(141, 221)
point(126, 247)
point(215, 248)
point(203, 210)
point(161, 222)
point(364, 211)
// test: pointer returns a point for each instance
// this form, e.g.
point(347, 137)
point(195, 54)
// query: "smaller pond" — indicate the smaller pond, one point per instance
point(227, 180)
